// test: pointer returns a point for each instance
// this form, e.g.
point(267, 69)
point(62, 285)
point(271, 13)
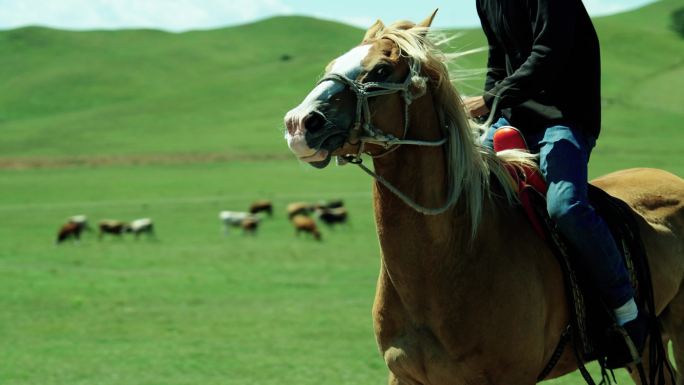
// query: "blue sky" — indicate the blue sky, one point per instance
point(183, 15)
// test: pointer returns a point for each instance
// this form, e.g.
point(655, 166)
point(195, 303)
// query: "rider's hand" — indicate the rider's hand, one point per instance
point(475, 106)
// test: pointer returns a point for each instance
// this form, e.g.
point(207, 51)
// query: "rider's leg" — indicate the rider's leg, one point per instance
point(564, 154)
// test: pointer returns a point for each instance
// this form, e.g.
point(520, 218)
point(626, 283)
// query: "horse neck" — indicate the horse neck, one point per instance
point(421, 173)
point(431, 263)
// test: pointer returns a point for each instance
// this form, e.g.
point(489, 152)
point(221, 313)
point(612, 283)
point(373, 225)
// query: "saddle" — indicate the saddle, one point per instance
point(590, 318)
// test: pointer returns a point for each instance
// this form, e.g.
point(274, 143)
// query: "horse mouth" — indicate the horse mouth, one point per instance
point(323, 163)
point(321, 158)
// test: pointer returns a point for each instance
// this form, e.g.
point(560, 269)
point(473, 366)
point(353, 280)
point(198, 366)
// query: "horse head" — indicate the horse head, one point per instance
point(336, 118)
point(391, 90)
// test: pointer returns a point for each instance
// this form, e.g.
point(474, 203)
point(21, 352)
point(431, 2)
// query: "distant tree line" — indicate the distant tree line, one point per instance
point(678, 21)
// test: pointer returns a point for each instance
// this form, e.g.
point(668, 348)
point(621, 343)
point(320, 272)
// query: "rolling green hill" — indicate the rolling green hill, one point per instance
point(133, 92)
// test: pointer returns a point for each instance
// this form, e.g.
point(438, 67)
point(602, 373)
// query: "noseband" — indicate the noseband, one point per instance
point(363, 131)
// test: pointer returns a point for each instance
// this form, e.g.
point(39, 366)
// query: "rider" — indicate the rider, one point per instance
point(544, 78)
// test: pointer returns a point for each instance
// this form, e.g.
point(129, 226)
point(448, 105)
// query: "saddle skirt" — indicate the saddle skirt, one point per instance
point(590, 318)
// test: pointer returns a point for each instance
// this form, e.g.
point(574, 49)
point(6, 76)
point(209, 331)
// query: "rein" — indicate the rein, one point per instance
point(363, 131)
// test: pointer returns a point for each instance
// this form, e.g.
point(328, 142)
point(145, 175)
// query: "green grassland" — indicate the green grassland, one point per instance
point(194, 306)
point(176, 127)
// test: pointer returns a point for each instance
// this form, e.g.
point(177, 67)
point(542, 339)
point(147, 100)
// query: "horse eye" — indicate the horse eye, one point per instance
point(382, 72)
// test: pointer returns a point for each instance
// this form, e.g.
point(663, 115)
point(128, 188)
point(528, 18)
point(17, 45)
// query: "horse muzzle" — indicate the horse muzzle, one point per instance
point(312, 137)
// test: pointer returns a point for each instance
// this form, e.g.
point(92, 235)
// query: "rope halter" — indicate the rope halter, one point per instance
point(363, 131)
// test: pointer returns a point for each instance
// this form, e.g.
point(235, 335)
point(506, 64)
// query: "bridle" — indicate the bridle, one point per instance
point(364, 132)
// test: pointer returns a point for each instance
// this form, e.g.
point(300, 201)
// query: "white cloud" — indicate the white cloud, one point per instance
point(359, 21)
point(173, 15)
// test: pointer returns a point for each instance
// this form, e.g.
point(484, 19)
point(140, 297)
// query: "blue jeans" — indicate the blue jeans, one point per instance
point(563, 159)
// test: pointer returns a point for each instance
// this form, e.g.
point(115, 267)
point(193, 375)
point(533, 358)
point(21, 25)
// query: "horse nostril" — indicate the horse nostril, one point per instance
point(314, 122)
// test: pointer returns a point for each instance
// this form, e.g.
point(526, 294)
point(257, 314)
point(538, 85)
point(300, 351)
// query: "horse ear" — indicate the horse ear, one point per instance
point(427, 22)
point(373, 30)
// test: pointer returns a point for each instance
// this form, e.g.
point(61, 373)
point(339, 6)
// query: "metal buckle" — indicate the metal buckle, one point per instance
point(353, 159)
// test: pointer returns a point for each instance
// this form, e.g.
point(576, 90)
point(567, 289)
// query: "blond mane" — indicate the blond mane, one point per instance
point(470, 164)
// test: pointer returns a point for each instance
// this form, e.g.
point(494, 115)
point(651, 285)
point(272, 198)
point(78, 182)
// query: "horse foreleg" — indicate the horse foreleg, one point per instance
point(673, 327)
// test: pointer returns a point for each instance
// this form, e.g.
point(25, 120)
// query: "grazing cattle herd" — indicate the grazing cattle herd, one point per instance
point(75, 225)
point(302, 216)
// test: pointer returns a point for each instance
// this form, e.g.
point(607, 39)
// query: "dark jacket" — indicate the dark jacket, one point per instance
point(544, 63)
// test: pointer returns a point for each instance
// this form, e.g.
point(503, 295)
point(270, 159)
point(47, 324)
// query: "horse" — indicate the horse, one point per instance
point(114, 227)
point(467, 292)
point(261, 206)
point(141, 226)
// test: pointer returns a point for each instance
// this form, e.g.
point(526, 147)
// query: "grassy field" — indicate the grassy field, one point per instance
point(194, 307)
point(179, 126)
